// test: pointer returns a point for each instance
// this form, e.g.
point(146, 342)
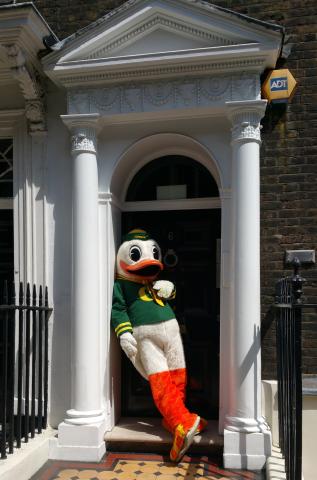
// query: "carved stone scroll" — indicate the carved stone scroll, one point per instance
point(31, 87)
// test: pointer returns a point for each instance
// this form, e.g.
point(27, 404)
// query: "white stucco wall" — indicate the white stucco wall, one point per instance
point(114, 140)
point(58, 192)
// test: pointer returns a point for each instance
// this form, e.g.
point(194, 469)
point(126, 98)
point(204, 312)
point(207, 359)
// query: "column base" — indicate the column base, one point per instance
point(77, 417)
point(246, 450)
point(246, 425)
point(79, 442)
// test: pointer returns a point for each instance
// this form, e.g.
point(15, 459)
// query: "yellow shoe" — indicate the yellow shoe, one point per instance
point(202, 426)
point(182, 440)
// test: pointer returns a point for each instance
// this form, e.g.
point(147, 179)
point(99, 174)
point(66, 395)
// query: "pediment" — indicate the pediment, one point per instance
point(152, 32)
point(156, 33)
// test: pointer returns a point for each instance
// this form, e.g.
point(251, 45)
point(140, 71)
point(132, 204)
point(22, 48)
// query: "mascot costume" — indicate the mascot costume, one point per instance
point(149, 334)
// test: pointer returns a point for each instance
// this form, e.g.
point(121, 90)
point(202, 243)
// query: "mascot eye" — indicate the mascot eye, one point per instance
point(156, 253)
point(135, 253)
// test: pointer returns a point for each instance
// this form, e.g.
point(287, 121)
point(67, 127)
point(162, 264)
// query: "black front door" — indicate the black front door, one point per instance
point(188, 240)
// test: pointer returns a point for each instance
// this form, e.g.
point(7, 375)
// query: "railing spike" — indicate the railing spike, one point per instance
point(28, 294)
point(46, 297)
point(34, 295)
point(13, 294)
point(21, 293)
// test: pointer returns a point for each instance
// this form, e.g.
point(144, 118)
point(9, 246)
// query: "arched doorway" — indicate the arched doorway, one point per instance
point(189, 234)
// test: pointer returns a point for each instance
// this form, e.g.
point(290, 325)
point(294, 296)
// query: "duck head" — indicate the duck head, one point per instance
point(139, 257)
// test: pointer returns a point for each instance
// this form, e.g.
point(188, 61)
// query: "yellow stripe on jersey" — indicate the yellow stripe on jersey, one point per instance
point(124, 329)
point(124, 324)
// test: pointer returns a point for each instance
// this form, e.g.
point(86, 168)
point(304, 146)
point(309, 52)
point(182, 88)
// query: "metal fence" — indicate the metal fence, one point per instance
point(289, 370)
point(23, 365)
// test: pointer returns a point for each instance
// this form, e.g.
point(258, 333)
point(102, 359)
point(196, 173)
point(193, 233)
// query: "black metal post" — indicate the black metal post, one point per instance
point(40, 366)
point(4, 375)
point(288, 342)
point(33, 374)
point(20, 368)
point(12, 372)
point(297, 283)
point(47, 315)
point(27, 366)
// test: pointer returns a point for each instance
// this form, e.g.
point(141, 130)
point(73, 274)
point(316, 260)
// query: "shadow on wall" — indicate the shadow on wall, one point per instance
point(251, 362)
point(59, 215)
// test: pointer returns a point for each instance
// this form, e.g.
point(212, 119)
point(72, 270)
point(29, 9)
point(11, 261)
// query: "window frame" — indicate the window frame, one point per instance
point(7, 203)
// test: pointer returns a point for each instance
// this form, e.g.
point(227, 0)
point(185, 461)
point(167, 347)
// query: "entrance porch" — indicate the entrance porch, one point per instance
point(153, 79)
point(128, 106)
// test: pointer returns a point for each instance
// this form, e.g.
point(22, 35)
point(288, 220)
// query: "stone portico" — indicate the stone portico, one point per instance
point(148, 62)
point(154, 78)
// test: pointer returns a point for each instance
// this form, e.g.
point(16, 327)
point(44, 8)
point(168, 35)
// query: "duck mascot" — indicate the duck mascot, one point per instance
point(149, 334)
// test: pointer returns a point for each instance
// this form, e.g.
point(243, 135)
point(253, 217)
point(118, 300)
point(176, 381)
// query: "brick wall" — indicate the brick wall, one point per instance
point(288, 158)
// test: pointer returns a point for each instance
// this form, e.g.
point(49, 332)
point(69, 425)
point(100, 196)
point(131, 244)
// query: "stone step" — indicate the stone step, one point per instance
point(147, 435)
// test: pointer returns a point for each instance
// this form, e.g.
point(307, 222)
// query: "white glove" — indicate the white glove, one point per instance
point(164, 288)
point(129, 345)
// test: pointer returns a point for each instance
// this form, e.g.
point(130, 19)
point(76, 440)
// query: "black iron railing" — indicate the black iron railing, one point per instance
point(23, 365)
point(289, 370)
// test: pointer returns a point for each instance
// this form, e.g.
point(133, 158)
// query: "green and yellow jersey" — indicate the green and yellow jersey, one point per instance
point(137, 304)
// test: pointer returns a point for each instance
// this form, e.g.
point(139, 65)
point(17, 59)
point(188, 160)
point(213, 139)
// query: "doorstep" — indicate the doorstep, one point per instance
point(275, 465)
point(133, 434)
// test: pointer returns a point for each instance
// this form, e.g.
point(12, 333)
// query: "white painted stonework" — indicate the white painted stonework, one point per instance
point(196, 92)
point(153, 78)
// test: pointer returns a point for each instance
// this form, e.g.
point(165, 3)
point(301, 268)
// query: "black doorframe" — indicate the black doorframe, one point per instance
point(202, 346)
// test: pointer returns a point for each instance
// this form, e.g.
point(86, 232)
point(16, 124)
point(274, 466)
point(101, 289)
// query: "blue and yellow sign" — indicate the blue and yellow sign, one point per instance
point(279, 86)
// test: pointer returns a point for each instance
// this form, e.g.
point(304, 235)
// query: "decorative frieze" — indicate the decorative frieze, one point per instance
point(165, 94)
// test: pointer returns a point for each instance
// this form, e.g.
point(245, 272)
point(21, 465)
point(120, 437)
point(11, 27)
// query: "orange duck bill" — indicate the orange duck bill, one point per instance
point(145, 268)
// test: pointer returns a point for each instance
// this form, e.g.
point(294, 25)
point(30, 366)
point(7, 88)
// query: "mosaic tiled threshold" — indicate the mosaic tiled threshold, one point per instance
point(127, 466)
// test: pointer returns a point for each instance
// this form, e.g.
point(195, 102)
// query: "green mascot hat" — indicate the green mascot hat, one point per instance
point(136, 234)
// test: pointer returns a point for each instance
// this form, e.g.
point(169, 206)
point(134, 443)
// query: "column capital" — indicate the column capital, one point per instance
point(245, 118)
point(84, 130)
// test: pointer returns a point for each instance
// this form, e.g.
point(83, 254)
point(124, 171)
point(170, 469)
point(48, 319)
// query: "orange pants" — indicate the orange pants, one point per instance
point(161, 354)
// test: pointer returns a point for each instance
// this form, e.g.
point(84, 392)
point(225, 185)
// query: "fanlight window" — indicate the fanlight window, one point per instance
point(172, 177)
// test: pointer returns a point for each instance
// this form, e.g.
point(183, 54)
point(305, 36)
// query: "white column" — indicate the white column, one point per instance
point(247, 440)
point(225, 306)
point(80, 436)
